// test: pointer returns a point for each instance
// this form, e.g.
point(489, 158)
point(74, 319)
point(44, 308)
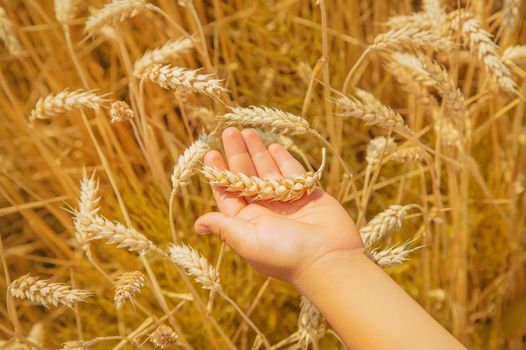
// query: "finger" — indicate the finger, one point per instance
point(235, 232)
point(288, 165)
point(263, 161)
point(228, 202)
point(238, 158)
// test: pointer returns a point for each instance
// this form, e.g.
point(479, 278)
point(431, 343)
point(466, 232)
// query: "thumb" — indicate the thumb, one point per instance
point(237, 233)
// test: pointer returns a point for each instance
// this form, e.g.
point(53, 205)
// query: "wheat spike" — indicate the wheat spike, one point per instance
point(387, 220)
point(433, 8)
point(170, 77)
point(115, 12)
point(122, 236)
point(377, 148)
point(45, 292)
point(126, 286)
point(120, 111)
point(372, 114)
point(8, 34)
point(514, 54)
point(449, 134)
point(55, 104)
point(413, 78)
point(268, 119)
point(418, 20)
point(411, 39)
point(310, 327)
point(409, 154)
point(87, 210)
point(188, 163)
point(279, 189)
point(163, 336)
point(67, 10)
point(391, 256)
point(162, 55)
point(196, 265)
point(479, 42)
point(451, 96)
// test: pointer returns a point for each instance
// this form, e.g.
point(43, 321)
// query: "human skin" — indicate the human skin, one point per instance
point(313, 244)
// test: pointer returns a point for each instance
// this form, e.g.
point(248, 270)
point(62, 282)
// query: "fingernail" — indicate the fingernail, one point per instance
point(202, 229)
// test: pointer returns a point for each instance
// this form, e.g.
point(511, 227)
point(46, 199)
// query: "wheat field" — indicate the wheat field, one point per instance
point(410, 113)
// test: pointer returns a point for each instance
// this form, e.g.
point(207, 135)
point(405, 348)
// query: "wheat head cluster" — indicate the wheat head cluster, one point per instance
point(410, 113)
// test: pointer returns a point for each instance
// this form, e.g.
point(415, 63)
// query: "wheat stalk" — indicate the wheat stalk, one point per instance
point(67, 10)
point(164, 54)
point(45, 292)
point(196, 265)
point(377, 148)
point(409, 154)
point(268, 119)
point(163, 336)
point(279, 189)
point(55, 104)
point(452, 97)
point(310, 327)
point(479, 42)
point(122, 236)
point(188, 163)
point(120, 111)
point(395, 255)
point(8, 34)
point(115, 12)
point(170, 77)
point(387, 220)
point(126, 286)
point(372, 114)
point(411, 39)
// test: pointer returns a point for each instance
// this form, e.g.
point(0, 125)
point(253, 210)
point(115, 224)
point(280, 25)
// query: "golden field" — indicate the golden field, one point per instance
point(467, 225)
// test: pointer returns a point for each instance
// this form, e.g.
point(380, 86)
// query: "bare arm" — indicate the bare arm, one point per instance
point(315, 245)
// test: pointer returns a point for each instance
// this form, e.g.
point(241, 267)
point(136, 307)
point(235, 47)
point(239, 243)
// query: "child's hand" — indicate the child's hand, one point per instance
point(278, 239)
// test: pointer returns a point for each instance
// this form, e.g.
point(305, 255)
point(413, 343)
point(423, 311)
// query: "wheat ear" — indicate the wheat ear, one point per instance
point(395, 255)
point(514, 54)
point(452, 97)
point(510, 14)
point(67, 10)
point(310, 327)
point(55, 104)
point(126, 286)
point(188, 162)
point(479, 42)
point(163, 336)
point(170, 77)
point(409, 154)
point(377, 148)
point(196, 265)
point(387, 220)
point(411, 39)
point(113, 13)
point(434, 10)
point(46, 292)
point(267, 119)
point(162, 55)
point(120, 111)
point(449, 133)
point(8, 34)
point(122, 236)
point(420, 20)
point(279, 189)
point(372, 114)
point(88, 207)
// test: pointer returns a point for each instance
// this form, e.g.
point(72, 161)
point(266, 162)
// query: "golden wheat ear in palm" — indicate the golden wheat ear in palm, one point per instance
point(283, 189)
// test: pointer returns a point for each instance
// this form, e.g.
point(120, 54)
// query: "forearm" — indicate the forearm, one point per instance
point(367, 308)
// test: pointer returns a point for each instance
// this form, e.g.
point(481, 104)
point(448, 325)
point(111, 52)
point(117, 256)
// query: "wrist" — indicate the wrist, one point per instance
point(316, 272)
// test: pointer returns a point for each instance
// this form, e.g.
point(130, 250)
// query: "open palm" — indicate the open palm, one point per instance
point(278, 239)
